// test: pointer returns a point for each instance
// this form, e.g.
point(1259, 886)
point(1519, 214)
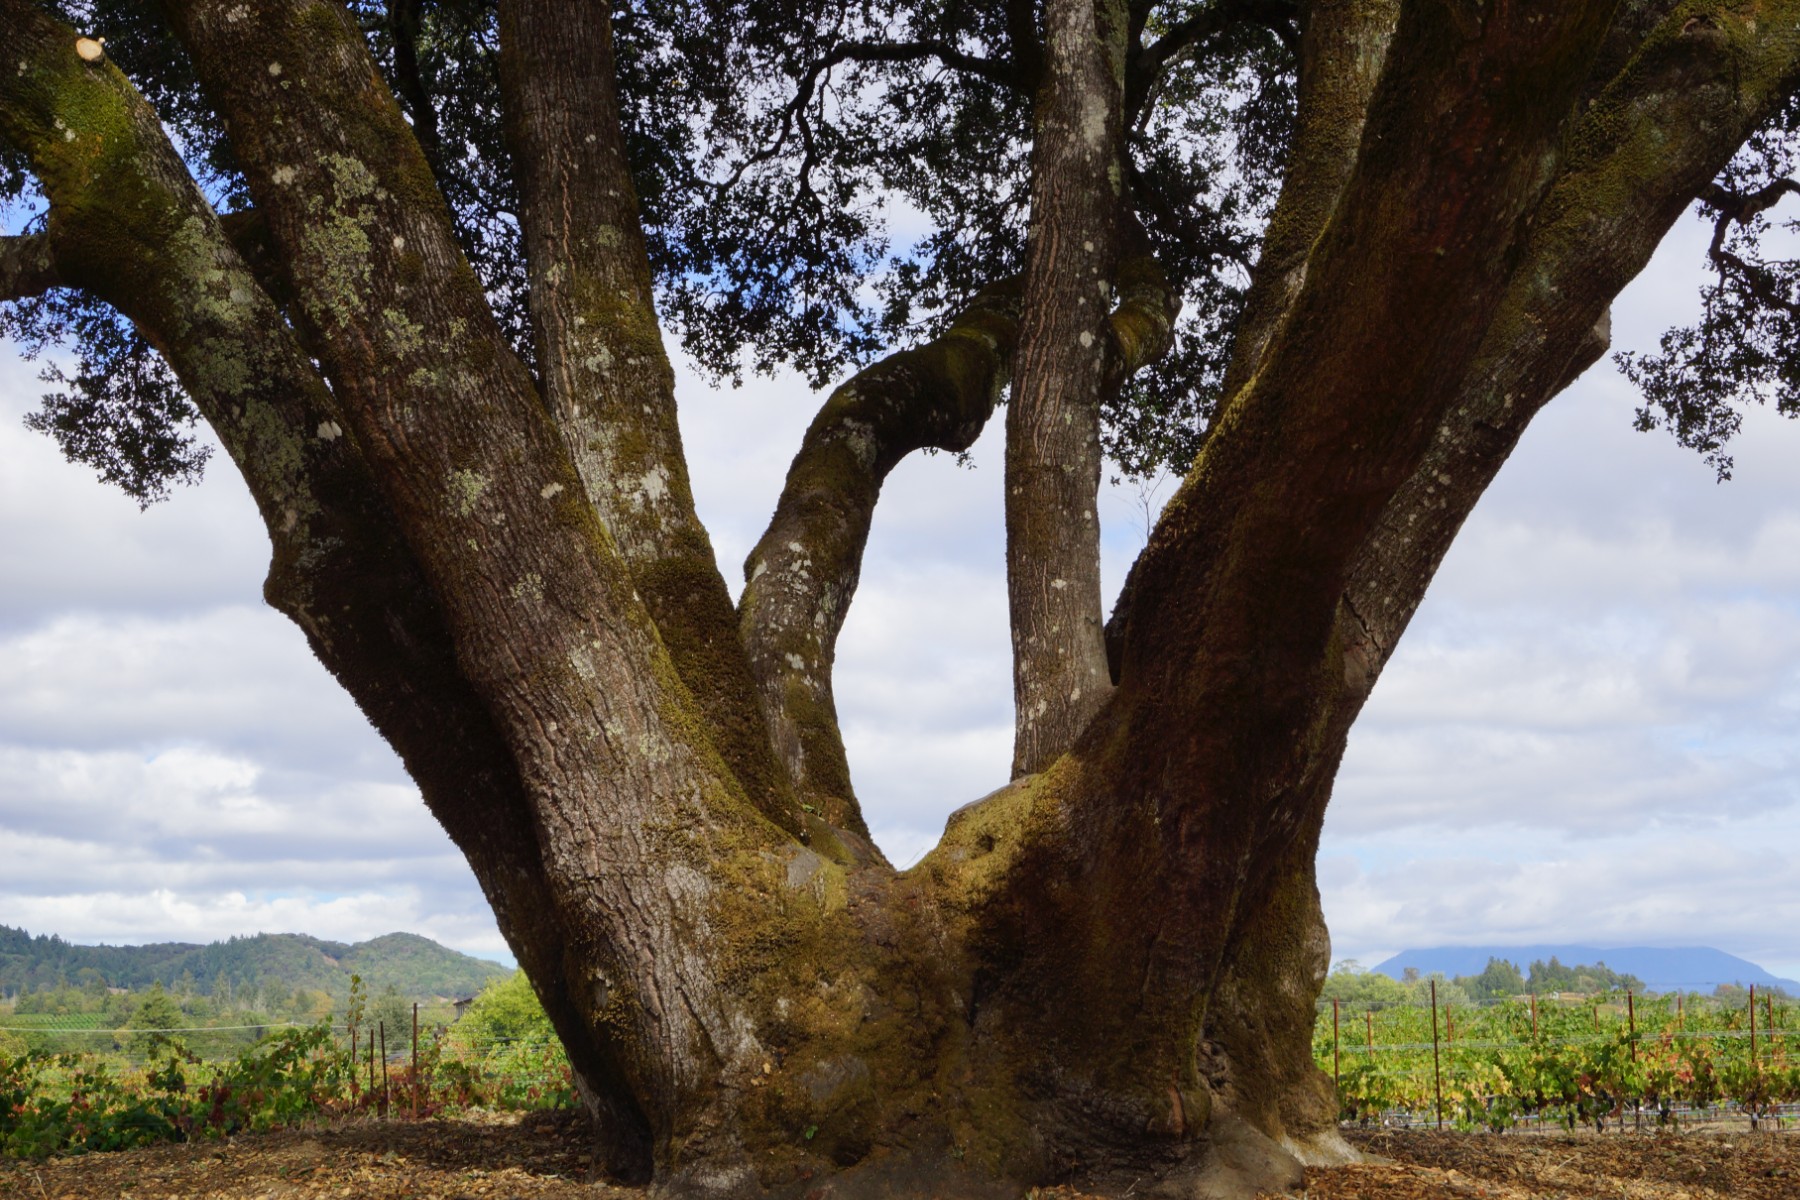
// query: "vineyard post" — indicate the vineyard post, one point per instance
point(415, 1061)
point(1369, 1022)
point(1755, 1067)
point(1753, 1024)
point(1534, 1029)
point(1637, 1104)
point(1436, 1074)
point(387, 1095)
point(371, 1067)
point(1681, 1012)
point(354, 1092)
point(1336, 1071)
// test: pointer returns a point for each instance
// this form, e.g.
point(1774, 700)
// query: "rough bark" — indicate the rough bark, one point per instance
point(1622, 185)
point(1060, 676)
point(1341, 54)
point(134, 231)
point(1646, 142)
point(606, 375)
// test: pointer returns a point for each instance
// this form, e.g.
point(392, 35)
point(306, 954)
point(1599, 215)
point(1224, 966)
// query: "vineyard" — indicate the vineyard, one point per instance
point(69, 1084)
point(1593, 1060)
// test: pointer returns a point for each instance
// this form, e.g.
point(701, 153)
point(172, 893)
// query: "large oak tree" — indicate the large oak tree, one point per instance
point(407, 260)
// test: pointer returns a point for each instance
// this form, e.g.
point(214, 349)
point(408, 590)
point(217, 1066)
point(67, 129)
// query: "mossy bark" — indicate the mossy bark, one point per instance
point(128, 225)
point(1341, 54)
point(1106, 971)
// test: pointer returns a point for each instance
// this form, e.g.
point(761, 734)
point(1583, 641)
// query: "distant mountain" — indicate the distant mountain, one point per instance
point(1686, 969)
point(417, 967)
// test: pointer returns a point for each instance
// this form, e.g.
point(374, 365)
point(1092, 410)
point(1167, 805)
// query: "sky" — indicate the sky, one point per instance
point(1587, 736)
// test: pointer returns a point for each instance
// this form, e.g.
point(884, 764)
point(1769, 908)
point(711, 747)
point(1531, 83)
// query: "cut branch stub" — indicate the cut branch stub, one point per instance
point(802, 574)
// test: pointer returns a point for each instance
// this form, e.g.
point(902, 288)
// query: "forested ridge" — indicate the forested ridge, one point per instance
point(412, 965)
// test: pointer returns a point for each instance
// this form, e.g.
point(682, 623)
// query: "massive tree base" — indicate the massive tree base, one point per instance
point(1232, 1160)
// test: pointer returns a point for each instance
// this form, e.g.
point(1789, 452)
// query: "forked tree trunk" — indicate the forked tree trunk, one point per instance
point(1106, 971)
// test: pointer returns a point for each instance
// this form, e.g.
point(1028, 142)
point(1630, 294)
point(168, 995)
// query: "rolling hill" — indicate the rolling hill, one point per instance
point(416, 966)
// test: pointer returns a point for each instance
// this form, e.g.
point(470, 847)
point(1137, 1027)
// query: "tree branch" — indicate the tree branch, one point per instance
point(1740, 209)
point(606, 377)
point(996, 73)
point(1027, 60)
point(28, 266)
point(1340, 61)
point(802, 574)
point(1142, 327)
point(1231, 654)
point(1067, 344)
point(1649, 143)
point(1185, 38)
point(793, 115)
point(403, 28)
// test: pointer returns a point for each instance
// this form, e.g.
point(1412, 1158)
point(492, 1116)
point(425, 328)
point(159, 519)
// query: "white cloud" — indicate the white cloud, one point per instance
point(1588, 733)
point(1732, 886)
point(69, 544)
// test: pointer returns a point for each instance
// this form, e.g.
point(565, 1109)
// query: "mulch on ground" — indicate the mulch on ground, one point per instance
point(1617, 1166)
point(544, 1157)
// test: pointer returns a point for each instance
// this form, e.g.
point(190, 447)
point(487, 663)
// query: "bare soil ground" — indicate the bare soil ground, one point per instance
point(544, 1156)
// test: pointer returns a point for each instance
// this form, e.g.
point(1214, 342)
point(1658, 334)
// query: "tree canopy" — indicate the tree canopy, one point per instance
point(776, 148)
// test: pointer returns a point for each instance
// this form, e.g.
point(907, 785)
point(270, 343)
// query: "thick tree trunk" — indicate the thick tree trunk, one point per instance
point(1106, 971)
point(1060, 676)
point(606, 375)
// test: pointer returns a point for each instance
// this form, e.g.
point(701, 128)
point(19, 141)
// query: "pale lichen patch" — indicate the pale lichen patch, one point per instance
point(465, 491)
